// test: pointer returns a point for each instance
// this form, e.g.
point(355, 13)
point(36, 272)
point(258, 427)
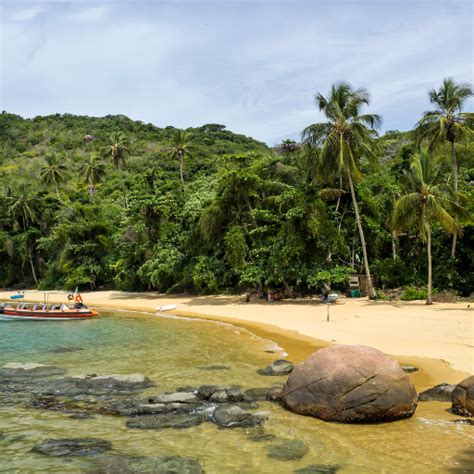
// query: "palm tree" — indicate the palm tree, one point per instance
point(447, 123)
point(22, 207)
point(53, 173)
point(181, 147)
point(344, 139)
point(93, 171)
point(118, 149)
point(428, 201)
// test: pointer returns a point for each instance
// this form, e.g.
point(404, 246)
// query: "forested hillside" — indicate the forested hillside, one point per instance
point(115, 203)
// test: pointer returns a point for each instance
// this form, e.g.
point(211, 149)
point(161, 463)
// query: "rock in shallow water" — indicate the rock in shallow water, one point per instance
point(220, 394)
point(279, 367)
point(438, 393)
point(350, 384)
point(73, 447)
point(288, 450)
point(175, 420)
point(175, 397)
point(463, 397)
point(29, 369)
point(147, 465)
point(65, 350)
point(232, 416)
point(263, 393)
point(318, 469)
point(409, 369)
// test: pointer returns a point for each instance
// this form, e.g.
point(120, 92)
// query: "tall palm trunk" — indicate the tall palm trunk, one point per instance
point(181, 166)
point(57, 193)
point(456, 180)
point(394, 245)
point(370, 287)
point(33, 272)
point(125, 200)
point(430, 265)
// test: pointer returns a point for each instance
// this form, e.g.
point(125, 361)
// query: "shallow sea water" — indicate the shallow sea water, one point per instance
point(174, 352)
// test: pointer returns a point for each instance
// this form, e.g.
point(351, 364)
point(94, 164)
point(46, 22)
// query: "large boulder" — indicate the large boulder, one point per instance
point(462, 397)
point(350, 384)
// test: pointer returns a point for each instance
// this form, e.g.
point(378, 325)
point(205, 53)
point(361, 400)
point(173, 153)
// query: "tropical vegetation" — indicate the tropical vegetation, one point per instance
point(115, 203)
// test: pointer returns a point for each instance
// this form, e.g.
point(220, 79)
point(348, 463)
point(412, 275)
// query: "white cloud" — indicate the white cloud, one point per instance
point(27, 14)
point(254, 69)
point(90, 14)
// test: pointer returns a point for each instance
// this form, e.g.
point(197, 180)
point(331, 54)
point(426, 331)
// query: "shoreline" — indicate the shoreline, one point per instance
point(436, 339)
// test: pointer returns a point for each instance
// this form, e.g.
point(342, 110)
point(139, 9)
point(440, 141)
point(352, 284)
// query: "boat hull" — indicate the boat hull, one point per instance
point(12, 314)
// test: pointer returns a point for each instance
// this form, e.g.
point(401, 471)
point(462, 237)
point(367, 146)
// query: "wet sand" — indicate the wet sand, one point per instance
point(437, 339)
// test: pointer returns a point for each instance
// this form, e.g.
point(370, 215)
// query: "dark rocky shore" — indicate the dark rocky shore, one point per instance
point(369, 388)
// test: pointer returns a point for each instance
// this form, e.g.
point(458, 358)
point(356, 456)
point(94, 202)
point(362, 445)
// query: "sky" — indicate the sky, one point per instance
point(253, 66)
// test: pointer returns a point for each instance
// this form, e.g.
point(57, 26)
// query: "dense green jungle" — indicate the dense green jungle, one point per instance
point(113, 203)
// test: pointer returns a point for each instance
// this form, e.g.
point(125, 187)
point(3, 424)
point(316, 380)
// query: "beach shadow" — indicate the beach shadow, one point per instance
point(453, 309)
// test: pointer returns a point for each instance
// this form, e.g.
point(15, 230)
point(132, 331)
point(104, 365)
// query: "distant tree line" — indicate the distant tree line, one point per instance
point(115, 203)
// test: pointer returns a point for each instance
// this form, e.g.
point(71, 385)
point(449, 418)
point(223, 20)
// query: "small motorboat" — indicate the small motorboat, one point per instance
point(76, 309)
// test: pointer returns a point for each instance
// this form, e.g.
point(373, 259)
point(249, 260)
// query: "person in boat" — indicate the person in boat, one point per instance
point(78, 302)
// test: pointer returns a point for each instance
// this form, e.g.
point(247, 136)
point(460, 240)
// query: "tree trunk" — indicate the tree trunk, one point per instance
point(33, 270)
point(370, 287)
point(287, 288)
point(394, 245)
point(456, 186)
point(125, 201)
point(57, 194)
point(430, 277)
point(181, 167)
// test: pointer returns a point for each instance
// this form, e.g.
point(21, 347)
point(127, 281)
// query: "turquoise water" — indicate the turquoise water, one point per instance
point(177, 352)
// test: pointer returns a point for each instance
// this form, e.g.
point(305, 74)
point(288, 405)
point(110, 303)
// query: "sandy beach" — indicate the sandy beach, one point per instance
point(443, 331)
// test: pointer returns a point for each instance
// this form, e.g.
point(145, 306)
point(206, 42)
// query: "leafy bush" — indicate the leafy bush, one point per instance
point(412, 293)
point(390, 273)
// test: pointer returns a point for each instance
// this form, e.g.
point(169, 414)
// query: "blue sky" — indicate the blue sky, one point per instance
point(251, 65)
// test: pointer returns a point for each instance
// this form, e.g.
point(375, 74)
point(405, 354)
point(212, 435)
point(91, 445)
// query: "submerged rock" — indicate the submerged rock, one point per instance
point(64, 350)
point(205, 392)
point(279, 367)
point(288, 450)
point(100, 384)
point(220, 394)
point(260, 436)
point(148, 465)
point(168, 420)
point(29, 369)
point(175, 397)
point(318, 469)
point(438, 393)
point(232, 416)
point(263, 394)
point(214, 367)
point(463, 397)
point(350, 384)
point(409, 369)
point(73, 447)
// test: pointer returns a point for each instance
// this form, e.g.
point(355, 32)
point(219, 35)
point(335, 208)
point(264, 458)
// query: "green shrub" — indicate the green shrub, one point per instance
point(412, 293)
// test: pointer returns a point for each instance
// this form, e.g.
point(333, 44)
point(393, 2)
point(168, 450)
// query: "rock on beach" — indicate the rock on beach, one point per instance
point(350, 384)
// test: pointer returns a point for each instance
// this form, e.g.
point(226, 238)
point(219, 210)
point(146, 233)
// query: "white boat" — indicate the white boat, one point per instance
point(168, 307)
